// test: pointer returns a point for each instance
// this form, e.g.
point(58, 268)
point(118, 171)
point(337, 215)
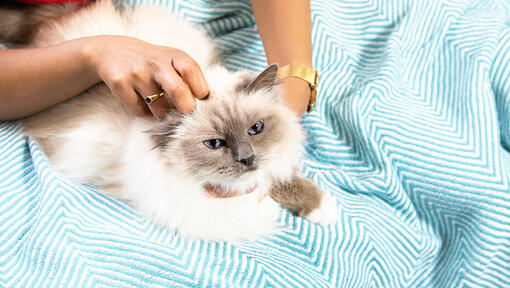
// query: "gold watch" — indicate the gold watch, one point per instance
point(306, 73)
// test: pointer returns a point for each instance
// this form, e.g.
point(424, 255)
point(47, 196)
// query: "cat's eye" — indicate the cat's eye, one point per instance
point(214, 143)
point(256, 128)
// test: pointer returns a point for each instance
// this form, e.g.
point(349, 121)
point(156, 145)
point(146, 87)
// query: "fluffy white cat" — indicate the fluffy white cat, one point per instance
point(212, 174)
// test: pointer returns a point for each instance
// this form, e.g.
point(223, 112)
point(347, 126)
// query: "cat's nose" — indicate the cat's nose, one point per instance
point(248, 161)
point(243, 153)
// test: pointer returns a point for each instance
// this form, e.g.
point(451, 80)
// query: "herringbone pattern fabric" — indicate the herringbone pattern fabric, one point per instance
point(409, 135)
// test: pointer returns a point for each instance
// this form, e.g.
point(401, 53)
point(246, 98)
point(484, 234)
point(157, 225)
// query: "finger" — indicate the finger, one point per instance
point(158, 107)
point(176, 90)
point(131, 99)
point(191, 74)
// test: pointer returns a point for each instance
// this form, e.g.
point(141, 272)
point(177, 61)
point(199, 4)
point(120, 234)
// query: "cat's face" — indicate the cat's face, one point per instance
point(240, 134)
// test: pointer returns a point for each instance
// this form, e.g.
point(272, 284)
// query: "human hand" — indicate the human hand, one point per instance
point(133, 69)
point(296, 93)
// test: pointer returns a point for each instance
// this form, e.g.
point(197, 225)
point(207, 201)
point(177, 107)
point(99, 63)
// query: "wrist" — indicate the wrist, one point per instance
point(90, 51)
point(296, 93)
point(305, 73)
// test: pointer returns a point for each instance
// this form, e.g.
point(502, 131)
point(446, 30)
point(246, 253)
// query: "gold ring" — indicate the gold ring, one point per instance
point(152, 98)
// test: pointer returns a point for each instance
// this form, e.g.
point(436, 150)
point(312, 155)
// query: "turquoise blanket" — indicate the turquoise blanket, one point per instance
point(411, 134)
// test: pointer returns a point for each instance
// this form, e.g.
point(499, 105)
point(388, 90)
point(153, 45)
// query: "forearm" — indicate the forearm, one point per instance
point(32, 80)
point(285, 29)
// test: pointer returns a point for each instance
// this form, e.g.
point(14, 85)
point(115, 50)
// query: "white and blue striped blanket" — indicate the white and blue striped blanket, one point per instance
point(411, 134)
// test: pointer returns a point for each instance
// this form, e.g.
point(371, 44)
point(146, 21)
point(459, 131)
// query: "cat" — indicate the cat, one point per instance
point(217, 173)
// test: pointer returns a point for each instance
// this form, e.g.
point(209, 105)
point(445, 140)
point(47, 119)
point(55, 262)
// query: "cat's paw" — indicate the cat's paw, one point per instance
point(326, 213)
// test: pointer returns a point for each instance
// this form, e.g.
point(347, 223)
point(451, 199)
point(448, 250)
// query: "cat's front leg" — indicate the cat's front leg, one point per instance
point(303, 197)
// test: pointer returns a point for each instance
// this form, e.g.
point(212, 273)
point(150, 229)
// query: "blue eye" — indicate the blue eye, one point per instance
point(256, 128)
point(214, 143)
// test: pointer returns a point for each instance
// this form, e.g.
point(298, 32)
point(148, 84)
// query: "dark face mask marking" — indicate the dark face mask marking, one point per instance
point(243, 153)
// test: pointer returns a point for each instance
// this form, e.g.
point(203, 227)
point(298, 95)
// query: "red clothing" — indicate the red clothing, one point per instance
point(51, 1)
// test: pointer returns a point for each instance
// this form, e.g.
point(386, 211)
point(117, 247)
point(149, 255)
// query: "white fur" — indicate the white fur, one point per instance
point(327, 213)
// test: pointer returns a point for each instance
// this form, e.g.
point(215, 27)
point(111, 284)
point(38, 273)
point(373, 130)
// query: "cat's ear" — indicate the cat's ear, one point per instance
point(265, 80)
point(165, 129)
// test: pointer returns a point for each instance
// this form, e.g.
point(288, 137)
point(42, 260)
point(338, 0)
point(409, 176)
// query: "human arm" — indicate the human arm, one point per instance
point(285, 30)
point(34, 79)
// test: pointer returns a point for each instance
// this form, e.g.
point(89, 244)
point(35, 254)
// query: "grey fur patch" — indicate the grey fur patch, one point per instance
point(299, 195)
point(266, 79)
point(162, 133)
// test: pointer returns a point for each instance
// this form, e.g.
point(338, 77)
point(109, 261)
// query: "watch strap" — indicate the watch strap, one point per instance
point(306, 73)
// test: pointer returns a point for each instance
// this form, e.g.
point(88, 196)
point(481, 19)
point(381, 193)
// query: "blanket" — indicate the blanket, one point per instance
point(411, 134)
